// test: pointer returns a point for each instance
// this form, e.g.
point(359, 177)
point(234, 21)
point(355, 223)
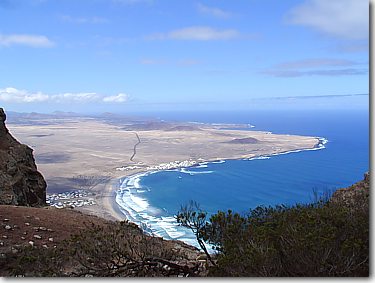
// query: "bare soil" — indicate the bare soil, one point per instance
point(43, 226)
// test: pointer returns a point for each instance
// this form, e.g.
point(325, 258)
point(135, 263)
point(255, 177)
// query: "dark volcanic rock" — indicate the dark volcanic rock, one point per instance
point(20, 181)
point(249, 140)
point(184, 128)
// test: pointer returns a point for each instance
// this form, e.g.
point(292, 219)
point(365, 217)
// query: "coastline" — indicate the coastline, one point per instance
point(108, 148)
point(112, 207)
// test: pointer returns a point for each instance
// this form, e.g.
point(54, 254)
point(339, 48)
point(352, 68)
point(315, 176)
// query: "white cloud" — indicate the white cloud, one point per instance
point(347, 19)
point(316, 67)
point(318, 62)
point(200, 33)
point(203, 33)
point(13, 95)
point(25, 39)
point(75, 97)
point(213, 11)
point(121, 97)
point(83, 20)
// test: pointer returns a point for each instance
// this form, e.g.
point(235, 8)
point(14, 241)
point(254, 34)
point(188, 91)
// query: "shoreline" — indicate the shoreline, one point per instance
point(114, 184)
point(108, 148)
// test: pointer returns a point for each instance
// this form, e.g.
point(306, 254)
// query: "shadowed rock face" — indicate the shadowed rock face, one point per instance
point(20, 182)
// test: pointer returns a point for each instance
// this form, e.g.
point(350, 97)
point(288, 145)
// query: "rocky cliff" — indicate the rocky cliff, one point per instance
point(20, 181)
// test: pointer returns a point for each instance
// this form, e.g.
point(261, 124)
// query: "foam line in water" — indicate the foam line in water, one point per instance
point(319, 146)
point(132, 202)
point(218, 162)
point(183, 170)
point(201, 165)
point(258, 158)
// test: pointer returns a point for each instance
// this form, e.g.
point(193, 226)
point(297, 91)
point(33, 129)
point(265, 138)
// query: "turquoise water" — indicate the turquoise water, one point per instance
point(152, 199)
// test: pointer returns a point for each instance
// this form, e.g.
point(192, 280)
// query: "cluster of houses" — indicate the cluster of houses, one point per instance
point(162, 166)
point(71, 199)
point(127, 168)
point(173, 165)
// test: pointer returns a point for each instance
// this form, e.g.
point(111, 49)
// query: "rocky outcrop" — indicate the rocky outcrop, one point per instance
point(20, 181)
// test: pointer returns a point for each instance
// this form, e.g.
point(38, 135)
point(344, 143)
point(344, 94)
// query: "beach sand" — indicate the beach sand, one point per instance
point(87, 153)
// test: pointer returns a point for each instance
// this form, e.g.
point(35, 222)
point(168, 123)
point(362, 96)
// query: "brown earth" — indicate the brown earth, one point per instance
point(48, 222)
point(48, 227)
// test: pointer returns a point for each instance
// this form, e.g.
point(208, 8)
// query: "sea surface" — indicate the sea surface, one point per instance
point(152, 199)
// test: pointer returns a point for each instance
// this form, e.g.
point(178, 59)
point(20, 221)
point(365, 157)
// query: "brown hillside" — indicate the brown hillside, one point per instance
point(47, 228)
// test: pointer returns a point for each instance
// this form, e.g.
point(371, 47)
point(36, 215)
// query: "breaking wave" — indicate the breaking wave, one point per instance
point(131, 198)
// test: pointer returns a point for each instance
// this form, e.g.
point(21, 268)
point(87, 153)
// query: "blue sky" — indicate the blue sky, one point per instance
point(126, 55)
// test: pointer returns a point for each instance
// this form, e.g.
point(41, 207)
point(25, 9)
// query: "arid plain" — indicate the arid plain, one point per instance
point(93, 153)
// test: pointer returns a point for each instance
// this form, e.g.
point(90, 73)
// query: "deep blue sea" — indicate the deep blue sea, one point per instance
point(152, 200)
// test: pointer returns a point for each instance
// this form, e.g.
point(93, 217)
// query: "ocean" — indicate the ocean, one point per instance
point(152, 199)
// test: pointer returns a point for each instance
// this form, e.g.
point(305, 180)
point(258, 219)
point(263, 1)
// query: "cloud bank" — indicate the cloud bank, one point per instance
point(346, 19)
point(318, 62)
point(316, 67)
point(83, 20)
point(213, 11)
point(13, 95)
point(26, 40)
point(199, 33)
point(119, 98)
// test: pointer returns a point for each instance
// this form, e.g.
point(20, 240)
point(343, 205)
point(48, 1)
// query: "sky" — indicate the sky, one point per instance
point(147, 55)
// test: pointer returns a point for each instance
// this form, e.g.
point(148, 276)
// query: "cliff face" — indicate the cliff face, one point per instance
point(20, 182)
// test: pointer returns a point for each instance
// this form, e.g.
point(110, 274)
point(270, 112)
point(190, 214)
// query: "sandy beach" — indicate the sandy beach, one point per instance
point(91, 154)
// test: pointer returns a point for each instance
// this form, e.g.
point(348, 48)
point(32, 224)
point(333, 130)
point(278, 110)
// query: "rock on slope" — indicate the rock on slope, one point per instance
point(20, 182)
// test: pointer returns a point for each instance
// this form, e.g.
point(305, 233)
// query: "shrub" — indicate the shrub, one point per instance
point(117, 249)
point(320, 239)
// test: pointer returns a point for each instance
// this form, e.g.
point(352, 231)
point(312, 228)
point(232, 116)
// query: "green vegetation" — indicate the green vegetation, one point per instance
point(192, 217)
point(326, 238)
point(329, 237)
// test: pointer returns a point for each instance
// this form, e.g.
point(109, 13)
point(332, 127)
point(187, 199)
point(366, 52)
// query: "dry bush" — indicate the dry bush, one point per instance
point(117, 249)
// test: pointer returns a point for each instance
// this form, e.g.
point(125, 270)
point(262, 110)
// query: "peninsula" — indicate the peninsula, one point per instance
point(91, 153)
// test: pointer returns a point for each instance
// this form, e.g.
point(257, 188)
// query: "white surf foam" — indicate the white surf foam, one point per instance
point(131, 201)
point(218, 162)
point(202, 165)
point(141, 203)
point(139, 211)
point(184, 170)
point(319, 146)
point(258, 158)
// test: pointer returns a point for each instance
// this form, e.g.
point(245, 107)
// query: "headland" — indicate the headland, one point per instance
point(88, 155)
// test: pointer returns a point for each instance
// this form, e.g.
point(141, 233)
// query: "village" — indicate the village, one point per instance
point(162, 166)
point(70, 199)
